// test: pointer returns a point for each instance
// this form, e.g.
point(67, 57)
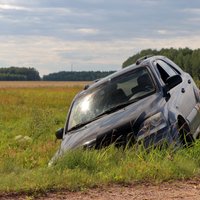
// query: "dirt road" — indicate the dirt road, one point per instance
point(178, 190)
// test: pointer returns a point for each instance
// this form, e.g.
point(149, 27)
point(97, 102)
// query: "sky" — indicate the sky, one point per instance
point(83, 35)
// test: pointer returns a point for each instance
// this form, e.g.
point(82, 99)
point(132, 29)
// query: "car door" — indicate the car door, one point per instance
point(189, 103)
point(193, 101)
point(182, 96)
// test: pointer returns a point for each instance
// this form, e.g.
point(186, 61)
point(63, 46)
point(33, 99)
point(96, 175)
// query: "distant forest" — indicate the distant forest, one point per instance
point(187, 59)
point(76, 76)
point(31, 74)
point(19, 74)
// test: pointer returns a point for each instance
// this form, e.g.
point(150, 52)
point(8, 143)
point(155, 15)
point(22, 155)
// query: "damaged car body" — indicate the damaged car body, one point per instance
point(153, 101)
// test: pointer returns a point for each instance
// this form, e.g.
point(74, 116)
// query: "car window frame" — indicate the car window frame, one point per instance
point(146, 67)
point(176, 71)
point(152, 76)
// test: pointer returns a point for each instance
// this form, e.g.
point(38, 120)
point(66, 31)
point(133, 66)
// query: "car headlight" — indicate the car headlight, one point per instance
point(152, 125)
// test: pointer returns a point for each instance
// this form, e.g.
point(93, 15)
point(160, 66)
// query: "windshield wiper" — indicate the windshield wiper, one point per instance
point(119, 106)
point(85, 123)
point(78, 126)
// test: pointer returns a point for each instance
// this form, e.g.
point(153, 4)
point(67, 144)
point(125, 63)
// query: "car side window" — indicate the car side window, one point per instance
point(165, 70)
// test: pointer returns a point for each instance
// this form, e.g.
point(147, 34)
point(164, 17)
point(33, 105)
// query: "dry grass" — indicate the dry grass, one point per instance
point(41, 84)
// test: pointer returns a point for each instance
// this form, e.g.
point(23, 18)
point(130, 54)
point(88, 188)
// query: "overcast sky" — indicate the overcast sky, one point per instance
point(57, 35)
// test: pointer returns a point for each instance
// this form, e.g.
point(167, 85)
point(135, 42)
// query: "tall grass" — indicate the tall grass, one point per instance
point(81, 169)
point(37, 113)
point(198, 83)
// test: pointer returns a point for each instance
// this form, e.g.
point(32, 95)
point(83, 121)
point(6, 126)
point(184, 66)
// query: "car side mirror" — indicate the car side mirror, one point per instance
point(59, 133)
point(173, 81)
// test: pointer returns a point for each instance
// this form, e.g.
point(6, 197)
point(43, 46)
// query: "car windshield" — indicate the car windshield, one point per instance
point(119, 91)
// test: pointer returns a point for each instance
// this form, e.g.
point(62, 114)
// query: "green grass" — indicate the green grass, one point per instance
point(198, 83)
point(37, 113)
point(79, 170)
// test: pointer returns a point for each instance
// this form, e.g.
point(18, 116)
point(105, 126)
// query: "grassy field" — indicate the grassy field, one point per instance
point(29, 117)
point(39, 84)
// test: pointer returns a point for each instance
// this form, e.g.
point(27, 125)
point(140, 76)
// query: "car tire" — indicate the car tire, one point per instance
point(185, 137)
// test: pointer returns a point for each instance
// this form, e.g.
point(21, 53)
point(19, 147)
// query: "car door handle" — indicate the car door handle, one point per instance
point(183, 90)
point(189, 81)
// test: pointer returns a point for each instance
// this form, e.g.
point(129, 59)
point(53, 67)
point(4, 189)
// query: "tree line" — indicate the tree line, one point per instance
point(187, 59)
point(31, 74)
point(76, 76)
point(19, 74)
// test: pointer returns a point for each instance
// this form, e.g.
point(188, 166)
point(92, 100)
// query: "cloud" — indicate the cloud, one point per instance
point(48, 54)
point(194, 20)
point(92, 34)
point(195, 11)
point(163, 32)
point(86, 31)
point(94, 20)
point(12, 7)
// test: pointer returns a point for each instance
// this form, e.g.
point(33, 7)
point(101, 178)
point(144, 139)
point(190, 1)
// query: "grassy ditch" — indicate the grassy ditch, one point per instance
point(28, 120)
point(79, 170)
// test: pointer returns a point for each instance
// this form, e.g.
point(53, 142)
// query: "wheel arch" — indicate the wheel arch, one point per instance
point(184, 130)
point(181, 122)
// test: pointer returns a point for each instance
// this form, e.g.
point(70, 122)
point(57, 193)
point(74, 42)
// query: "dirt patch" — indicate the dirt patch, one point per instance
point(183, 190)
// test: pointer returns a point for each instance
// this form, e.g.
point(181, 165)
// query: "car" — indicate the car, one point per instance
point(151, 102)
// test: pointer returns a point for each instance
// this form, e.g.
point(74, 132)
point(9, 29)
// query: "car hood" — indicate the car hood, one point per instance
point(122, 122)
